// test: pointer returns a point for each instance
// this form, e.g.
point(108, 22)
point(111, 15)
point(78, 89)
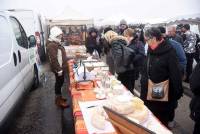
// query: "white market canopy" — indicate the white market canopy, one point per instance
point(71, 17)
point(115, 20)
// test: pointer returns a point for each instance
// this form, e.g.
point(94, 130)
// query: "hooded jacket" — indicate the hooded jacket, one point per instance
point(163, 65)
point(53, 51)
point(121, 54)
point(91, 41)
point(54, 32)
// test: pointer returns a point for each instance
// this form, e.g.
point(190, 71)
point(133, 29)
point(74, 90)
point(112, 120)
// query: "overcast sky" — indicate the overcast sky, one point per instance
point(138, 9)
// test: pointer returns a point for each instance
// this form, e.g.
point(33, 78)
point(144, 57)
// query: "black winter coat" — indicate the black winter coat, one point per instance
point(138, 48)
point(121, 65)
point(163, 65)
point(91, 42)
point(195, 87)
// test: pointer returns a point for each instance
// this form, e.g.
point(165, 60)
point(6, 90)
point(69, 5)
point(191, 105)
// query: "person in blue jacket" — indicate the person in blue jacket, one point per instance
point(179, 51)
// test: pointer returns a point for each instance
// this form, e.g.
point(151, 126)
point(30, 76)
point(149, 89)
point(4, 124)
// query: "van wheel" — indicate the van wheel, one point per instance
point(36, 82)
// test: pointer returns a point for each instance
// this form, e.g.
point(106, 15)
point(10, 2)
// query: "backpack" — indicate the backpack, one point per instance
point(128, 55)
point(124, 62)
point(122, 56)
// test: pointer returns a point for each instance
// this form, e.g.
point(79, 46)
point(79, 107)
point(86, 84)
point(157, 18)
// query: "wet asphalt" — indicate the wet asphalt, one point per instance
point(39, 115)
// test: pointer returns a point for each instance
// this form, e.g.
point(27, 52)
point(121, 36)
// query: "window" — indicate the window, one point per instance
point(19, 33)
point(5, 41)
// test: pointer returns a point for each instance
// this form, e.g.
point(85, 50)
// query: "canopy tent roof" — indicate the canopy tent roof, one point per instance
point(116, 18)
point(71, 22)
point(71, 17)
point(191, 19)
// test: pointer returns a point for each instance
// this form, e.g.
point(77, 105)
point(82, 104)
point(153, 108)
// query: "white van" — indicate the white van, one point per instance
point(34, 24)
point(18, 70)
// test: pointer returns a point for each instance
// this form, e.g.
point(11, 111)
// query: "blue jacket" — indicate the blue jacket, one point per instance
point(180, 53)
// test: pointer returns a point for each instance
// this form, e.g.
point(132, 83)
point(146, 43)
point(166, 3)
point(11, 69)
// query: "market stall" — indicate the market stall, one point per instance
point(73, 24)
point(92, 87)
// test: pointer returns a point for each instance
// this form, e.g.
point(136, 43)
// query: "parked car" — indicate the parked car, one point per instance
point(34, 24)
point(18, 70)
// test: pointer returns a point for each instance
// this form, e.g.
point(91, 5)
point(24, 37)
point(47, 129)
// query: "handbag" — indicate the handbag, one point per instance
point(157, 91)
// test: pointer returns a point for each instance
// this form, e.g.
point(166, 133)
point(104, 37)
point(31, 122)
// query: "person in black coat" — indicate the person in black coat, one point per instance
point(163, 65)
point(91, 41)
point(121, 55)
point(138, 48)
point(195, 102)
point(107, 51)
point(197, 53)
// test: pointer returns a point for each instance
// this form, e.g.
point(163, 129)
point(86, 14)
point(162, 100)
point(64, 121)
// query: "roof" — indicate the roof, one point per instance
point(71, 17)
point(70, 14)
point(191, 19)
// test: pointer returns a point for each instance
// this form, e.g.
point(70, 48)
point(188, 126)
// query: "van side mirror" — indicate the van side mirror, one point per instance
point(32, 41)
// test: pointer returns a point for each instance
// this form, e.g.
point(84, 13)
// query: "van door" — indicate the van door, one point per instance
point(27, 69)
point(11, 85)
point(39, 37)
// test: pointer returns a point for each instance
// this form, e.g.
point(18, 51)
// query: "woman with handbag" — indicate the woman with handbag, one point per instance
point(161, 83)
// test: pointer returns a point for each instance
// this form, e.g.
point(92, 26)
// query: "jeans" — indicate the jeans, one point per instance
point(58, 84)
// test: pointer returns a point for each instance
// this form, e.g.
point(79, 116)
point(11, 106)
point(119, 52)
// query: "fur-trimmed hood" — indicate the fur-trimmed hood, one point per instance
point(119, 38)
point(111, 36)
